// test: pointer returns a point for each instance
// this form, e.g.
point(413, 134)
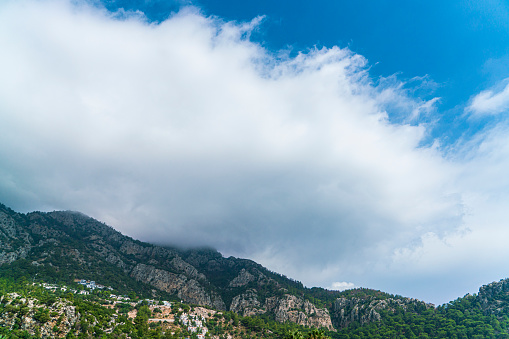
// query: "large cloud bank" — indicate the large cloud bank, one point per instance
point(188, 133)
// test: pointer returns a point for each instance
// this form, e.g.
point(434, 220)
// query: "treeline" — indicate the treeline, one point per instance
point(461, 319)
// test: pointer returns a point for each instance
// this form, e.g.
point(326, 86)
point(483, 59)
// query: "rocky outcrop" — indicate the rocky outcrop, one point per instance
point(9, 257)
point(299, 311)
point(8, 227)
point(139, 249)
point(115, 260)
point(247, 304)
point(189, 270)
point(287, 308)
point(494, 298)
point(22, 312)
point(242, 279)
point(348, 310)
point(131, 248)
point(14, 241)
point(187, 289)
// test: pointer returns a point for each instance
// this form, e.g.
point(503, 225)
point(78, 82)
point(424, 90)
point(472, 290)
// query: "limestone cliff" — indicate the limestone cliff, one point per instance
point(15, 242)
point(365, 310)
point(242, 279)
point(288, 308)
point(494, 298)
point(189, 290)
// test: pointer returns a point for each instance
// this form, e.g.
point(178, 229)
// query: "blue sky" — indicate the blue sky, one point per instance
point(342, 143)
point(459, 45)
point(462, 47)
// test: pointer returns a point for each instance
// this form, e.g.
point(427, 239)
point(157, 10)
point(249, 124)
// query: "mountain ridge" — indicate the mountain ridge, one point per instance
point(62, 246)
point(76, 244)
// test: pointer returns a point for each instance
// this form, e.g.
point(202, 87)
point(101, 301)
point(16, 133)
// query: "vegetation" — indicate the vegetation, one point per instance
point(467, 317)
point(60, 247)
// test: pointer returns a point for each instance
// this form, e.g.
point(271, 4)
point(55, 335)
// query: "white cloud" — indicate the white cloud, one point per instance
point(188, 133)
point(342, 285)
point(474, 254)
point(491, 101)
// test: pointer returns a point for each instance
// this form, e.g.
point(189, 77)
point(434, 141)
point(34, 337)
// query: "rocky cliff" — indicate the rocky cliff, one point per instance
point(365, 310)
point(494, 298)
point(287, 308)
point(15, 242)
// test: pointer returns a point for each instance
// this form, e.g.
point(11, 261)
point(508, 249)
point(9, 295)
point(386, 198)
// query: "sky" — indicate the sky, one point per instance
point(341, 143)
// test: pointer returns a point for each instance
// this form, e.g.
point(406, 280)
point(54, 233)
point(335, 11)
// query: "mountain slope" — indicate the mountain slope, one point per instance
point(63, 246)
point(58, 247)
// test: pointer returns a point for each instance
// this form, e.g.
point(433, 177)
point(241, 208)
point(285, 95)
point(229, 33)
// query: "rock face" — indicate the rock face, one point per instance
point(347, 311)
point(188, 269)
point(494, 298)
point(296, 310)
point(365, 310)
point(242, 279)
point(287, 308)
point(14, 240)
point(187, 289)
point(247, 304)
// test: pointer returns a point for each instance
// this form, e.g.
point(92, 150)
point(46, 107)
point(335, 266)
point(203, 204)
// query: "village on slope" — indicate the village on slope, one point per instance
point(170, 316)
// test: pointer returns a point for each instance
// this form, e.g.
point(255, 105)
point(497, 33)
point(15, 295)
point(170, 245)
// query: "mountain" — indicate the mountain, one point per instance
point(61, 247)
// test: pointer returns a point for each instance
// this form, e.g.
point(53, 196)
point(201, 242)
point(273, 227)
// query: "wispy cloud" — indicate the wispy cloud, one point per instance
point(493, 101)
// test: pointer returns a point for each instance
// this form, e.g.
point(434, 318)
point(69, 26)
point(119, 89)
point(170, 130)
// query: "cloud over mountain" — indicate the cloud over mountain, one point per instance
point(186, 132)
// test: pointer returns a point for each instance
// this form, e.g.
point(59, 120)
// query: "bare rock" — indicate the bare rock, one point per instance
point(187, 289)
point(242, 279)
point(188, 269)
point(247, 304)
point(287, 308)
